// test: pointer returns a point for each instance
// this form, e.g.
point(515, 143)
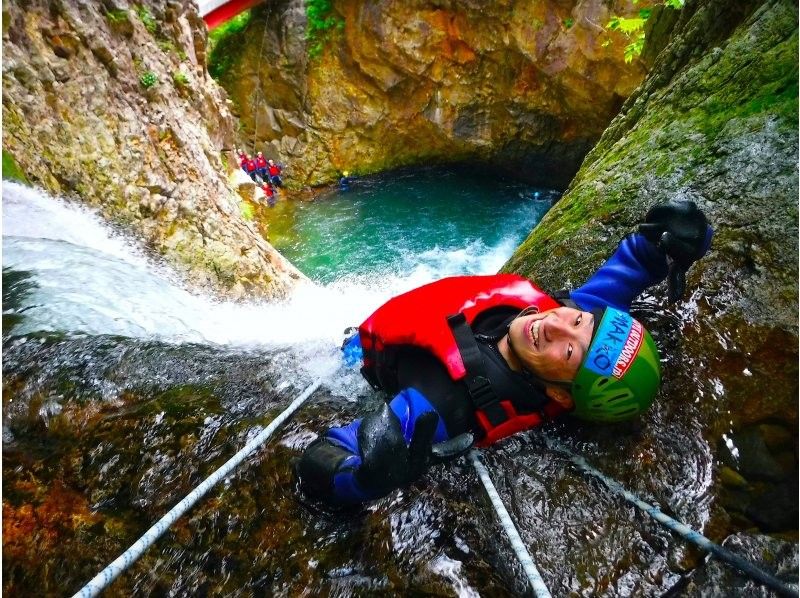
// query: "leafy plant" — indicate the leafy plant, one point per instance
point(568, 23)
point(147, 19)
point(234, 25)
point(117, 16)
point(180, 79)
point(633, 28)
point(319, 25)
point(148, 79)
point(166, 46)
point(226, 45)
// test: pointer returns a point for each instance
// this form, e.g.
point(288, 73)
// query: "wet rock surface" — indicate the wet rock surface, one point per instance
point(103, 435)
point(81, 121)
point(714, 122)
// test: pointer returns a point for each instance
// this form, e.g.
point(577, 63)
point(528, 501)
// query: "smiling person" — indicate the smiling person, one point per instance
point(474, 359)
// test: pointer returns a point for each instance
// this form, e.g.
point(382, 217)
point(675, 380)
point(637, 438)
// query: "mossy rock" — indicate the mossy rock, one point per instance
point(11, 170)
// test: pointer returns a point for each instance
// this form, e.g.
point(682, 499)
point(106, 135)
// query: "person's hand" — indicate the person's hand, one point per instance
point(681, 231)
point(387, 462)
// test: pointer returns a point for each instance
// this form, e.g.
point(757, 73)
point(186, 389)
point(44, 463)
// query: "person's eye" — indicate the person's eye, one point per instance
point(569, 351)
point(578, 320)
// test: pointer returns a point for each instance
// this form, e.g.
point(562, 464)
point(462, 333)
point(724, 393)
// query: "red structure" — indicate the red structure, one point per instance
point(216, 12)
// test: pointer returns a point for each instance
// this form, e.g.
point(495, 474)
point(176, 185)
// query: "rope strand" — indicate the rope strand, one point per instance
point(100, 581)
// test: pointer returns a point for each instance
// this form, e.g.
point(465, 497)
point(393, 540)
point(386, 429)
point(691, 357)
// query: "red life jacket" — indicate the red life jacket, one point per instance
point(274, 170)
point(250, 165)
point(261, 161)
point(418, 318)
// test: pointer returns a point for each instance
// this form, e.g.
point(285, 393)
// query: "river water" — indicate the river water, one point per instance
point(123, 391)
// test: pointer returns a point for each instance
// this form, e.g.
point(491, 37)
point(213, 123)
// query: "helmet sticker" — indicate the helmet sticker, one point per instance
point(615, 345)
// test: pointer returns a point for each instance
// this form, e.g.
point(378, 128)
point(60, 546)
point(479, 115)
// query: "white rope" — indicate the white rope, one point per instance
point(127, 558)
point(535, 579)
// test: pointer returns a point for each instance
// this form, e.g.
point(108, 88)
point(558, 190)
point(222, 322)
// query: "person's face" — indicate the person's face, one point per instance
point(260, 154)
point(552, 344)
point(271, 162)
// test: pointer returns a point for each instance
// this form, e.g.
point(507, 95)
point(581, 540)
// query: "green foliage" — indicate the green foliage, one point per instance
point(167, 46)
point(147, 19)
point(226, 44)
point(634, 49)
point(148, 79)
point(117, 16)
point(319, 24)
point(568, 23)
point(180, 79)
point(11, 170)
point(626, 26)
point(246, 210)
point(231, 27)
point(633, 28)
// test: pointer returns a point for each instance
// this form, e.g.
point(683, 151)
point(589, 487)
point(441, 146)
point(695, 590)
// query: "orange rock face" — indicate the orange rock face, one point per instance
point(528, 86)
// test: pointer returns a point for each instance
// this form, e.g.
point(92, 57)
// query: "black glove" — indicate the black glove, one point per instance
point(680, 230)
point(388, 463)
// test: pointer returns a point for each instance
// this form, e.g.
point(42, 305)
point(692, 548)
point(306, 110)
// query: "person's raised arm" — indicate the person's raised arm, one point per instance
point(674, 235)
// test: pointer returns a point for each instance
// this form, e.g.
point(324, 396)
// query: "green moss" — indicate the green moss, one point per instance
point(227, 45)
point(246, 209)
point(147, 19)
point(180, 79)
point(11, 170)
point(117, 16)
point(235, 25)
point(320, 23)
point(167, 46)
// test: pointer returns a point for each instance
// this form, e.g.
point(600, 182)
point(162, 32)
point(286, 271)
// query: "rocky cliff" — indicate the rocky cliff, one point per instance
point(111, 103)
point(715, 122)
point(526, 86)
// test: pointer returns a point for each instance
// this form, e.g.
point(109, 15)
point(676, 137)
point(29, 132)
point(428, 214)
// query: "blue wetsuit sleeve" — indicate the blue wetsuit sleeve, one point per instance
point(634, 266)
point(408, 405)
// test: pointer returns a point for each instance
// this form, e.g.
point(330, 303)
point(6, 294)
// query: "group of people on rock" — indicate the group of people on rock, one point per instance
point(263, 172)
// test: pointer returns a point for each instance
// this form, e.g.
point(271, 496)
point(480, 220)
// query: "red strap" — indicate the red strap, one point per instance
point(515, 423)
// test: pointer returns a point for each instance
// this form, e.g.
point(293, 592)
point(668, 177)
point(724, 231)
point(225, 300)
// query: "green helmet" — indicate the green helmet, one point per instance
point(621, 373)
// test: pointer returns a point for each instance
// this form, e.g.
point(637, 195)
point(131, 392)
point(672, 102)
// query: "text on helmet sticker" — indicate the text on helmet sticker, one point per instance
point(616, 344)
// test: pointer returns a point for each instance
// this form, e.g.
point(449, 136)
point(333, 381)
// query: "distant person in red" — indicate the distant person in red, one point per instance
point(252, 170)
point(242, 158)
point(274, 171)
point(269, 193)
point(261, 166)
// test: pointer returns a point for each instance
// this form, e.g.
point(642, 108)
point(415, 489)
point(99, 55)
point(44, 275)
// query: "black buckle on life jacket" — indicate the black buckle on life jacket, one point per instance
point(483, 396)
point(485, 399)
